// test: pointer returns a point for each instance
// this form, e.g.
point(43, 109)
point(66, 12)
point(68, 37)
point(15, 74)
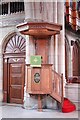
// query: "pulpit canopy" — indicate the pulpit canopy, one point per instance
point(39, 29)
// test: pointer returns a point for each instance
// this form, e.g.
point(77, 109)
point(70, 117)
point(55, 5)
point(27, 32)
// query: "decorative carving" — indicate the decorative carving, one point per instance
point(16, 59)
point(37, 77)
point(16, 44)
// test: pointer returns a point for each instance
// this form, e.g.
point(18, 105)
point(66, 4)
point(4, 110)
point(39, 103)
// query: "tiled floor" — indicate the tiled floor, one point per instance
point(8, 111)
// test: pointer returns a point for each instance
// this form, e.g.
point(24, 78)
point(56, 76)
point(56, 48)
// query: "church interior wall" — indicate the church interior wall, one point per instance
point(41, 12)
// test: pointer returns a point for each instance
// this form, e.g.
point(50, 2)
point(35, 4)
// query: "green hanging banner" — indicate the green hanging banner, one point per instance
point(35, 61)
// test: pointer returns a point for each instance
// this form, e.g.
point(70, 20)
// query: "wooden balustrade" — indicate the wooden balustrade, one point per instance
point(58, 84)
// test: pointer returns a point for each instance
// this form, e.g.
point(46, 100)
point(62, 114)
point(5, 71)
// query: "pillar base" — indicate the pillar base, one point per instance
point(72, 92)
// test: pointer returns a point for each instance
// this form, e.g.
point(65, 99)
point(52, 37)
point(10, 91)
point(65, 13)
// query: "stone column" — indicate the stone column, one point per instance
point(61, 39)
point(56, 53)
point(51, 50)
point(48, 11)
point(37, 10)
point(61, 42)
point(26, 95)
point(56, 38)
point(28, 10)
point(55, 11)
point(71, 74)
point(27, 50)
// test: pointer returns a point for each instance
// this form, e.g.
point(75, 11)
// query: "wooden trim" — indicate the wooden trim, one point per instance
point(8, 82)
point(5, 80)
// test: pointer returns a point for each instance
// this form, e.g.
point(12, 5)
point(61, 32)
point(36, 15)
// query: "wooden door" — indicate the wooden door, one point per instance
point(42, 49)
point(16, 82)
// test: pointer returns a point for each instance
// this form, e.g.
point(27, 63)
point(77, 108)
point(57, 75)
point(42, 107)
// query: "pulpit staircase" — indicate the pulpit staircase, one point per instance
point(43, 81)
point(57, 93)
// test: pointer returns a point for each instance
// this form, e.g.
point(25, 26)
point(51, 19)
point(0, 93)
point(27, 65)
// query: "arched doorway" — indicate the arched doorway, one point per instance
point(76, 58)
point(14, 69)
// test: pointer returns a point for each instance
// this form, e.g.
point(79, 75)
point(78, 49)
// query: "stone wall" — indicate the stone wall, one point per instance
point(4, 32)
point(7, 27)
point(73, 93)
point(70, 36)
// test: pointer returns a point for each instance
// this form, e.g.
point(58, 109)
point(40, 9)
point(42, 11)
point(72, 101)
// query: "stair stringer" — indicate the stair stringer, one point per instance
point(56, 96)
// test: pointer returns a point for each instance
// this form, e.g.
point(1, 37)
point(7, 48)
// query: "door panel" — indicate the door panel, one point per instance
point(16, 94)
point(16, 83)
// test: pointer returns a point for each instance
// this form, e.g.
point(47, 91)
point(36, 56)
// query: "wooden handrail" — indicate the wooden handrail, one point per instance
point(56, 73)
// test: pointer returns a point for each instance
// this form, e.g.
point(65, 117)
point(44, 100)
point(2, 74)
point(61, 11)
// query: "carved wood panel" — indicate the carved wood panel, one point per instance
point(16, 44)
point(35, 86)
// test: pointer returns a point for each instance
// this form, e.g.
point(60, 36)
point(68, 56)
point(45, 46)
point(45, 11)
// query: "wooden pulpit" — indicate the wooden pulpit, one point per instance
point(39, 79)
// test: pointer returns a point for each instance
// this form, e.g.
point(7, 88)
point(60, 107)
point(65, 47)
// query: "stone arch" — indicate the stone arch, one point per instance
point(13, 50)
point(8, 37)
